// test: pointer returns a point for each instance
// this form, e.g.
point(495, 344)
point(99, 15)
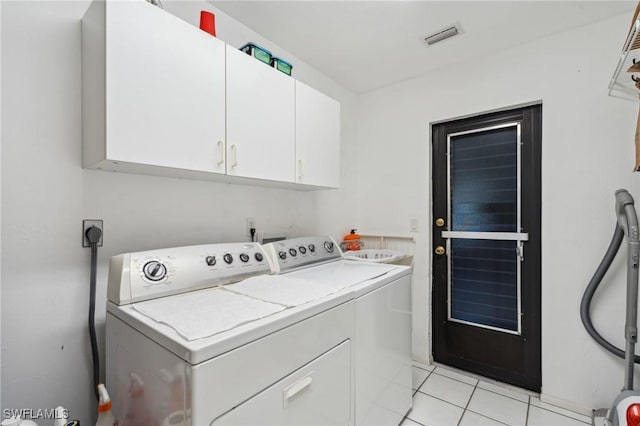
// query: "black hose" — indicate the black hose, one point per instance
point(93, 235)
point(587, 297)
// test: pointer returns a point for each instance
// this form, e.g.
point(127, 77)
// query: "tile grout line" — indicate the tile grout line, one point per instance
point(423, 382)
point(559, 408)
point(407, 417)
point(440, 399)
point(468, 402)
point(476, 386)
point(507, 396)
point(483, 415)
point(457, 380)
point(414, 394)
point(560, 414)
point(423, 369)
point(489, 417)
point(488, 390)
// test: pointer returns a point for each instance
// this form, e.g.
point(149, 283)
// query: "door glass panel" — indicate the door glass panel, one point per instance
point(484, 283)
point(484, 181)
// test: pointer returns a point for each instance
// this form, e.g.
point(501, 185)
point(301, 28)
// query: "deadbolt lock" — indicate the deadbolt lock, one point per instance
point(440, 222)
point(439, 250)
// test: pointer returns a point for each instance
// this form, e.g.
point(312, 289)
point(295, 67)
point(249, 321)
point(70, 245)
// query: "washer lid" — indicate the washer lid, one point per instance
point(284, 290)
point(204, 313)
point(343, 273)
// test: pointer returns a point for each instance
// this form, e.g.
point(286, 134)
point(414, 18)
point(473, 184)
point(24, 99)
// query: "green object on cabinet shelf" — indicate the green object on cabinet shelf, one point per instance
point(281, 65)
point(257, 52)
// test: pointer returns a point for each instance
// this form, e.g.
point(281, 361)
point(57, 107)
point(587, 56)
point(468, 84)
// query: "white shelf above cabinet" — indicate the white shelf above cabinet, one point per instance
point(621, 84)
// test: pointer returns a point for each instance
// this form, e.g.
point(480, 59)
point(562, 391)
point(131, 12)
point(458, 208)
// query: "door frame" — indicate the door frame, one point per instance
point(530, 174)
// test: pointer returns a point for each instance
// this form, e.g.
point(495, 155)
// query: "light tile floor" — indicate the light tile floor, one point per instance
point(443, 397)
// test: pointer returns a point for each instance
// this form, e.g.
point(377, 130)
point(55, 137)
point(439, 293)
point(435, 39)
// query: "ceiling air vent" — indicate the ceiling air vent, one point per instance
point(442, 35)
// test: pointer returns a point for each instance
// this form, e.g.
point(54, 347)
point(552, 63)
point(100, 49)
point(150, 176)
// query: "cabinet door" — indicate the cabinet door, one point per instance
point(317, 138)
point(260, 119)
point(317, 394)
point(165, 90)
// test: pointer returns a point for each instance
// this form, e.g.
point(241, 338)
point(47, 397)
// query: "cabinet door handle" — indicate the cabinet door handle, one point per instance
point(296, 388)
point(220, 153)
point(234, 151)
point(300, 169)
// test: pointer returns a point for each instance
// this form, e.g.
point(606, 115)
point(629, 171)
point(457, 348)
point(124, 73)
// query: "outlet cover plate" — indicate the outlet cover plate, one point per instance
point(88, 223)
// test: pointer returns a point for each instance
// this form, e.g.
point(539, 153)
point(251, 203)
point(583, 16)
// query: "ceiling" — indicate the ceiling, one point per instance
point(365, 45)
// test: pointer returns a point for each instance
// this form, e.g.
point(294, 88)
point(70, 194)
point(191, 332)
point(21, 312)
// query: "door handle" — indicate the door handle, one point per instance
point(439, 250)
point(520, 250)
point(296, 388)
point(234, 152)
point(439, 222)
point(220, 153)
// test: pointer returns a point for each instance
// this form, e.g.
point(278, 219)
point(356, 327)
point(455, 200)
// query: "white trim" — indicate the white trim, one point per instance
point(519, 225)
point(501, 236)
point(489, 111)
point(477, 324)
point(486, 129)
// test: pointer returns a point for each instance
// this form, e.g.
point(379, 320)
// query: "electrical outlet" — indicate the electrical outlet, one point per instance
point(251, 223)
point(88, 223)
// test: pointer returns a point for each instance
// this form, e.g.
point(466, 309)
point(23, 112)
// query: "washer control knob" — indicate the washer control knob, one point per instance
point(312, 248)
point(244, 257)
point(211, 260)
point(302, 249)
point(328, 245)
point(154, 270)
point(282, 255)
point(228, 258)
point(293, 252)
point(259, 257)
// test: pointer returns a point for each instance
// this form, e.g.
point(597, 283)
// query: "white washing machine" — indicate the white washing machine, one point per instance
point(185, 346)
point(382, 341)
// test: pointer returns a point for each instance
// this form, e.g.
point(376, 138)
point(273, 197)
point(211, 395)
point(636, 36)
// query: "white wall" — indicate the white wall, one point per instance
point(587, 155)
point(0, 211)
point(46, 194)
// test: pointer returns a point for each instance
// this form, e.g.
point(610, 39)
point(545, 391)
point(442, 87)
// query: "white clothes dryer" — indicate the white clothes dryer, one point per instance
point(382, 341)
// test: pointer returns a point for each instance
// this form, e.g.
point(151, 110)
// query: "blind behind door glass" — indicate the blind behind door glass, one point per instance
point(484, 198)
point(484, 181)
point(484, 283)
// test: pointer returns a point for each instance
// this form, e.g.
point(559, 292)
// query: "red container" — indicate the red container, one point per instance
point(208, 22)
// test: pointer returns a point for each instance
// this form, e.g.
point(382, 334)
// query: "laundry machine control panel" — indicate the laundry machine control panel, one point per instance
point(287, 255)
point(145, 275)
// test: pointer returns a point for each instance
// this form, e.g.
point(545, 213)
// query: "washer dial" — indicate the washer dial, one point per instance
point(244, 257)
point(228, 258)
point(259, 257)
point(154, 270)
point(328, 245)
point(282, 255)
point(312, 248)
point(293, 252)
point(302, 249)
point(211, 260)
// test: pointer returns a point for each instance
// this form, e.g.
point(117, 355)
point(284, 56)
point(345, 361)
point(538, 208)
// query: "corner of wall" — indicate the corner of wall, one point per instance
point(0, 211)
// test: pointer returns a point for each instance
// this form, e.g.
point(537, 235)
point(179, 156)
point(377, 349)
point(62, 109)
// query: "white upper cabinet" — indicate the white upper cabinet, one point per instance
point(162, 97)
point(153, 90)
point(317, 138)
point(260, 119)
